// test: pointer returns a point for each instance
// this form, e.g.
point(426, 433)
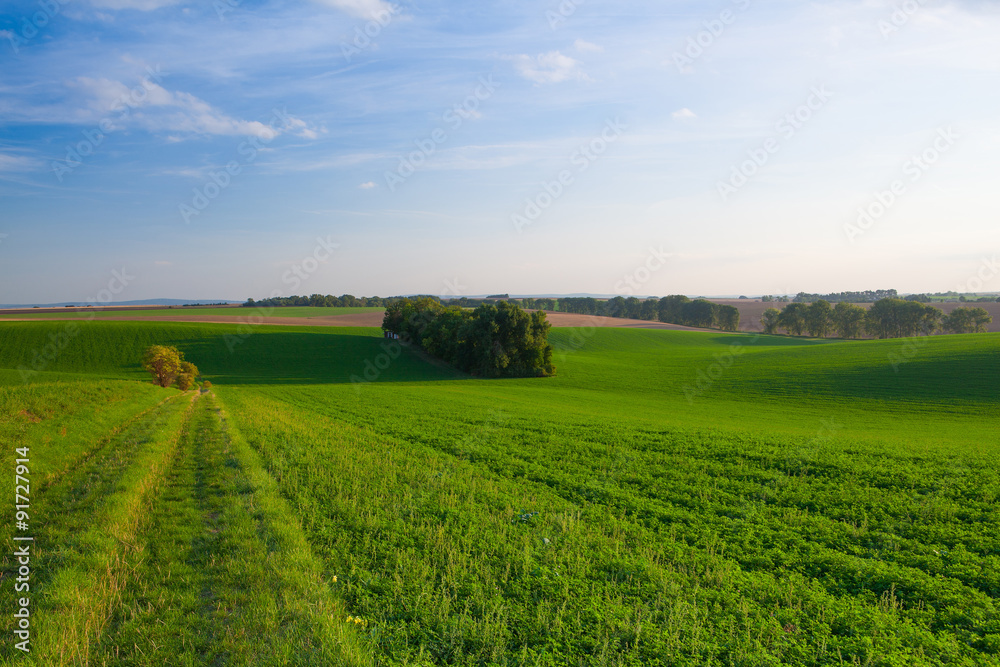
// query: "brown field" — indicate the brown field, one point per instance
point(750, 312)
point(573, 320)
point(752, 309)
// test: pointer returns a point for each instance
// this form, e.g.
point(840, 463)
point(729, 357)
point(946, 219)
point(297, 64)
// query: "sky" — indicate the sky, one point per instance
point(226, 149)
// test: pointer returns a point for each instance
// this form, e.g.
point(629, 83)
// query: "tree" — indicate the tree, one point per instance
point(848, 319)
point(792, 318)
point(699, 313)
point(168, 368)
point(409, 318)
point(670, 308)
point(648, 309)
point(494, 340)
point(728, 318)
point(769, 320)
point(896, 318)
point(187, 375)
point(967, 320)
point(164, 363)
point(818, 318)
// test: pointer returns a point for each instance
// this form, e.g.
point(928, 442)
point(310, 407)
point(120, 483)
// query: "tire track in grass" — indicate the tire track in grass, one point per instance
point(228, 578)
point(88, 551)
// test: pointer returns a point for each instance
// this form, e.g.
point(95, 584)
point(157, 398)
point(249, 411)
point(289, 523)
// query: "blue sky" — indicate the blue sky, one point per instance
point(228, 149)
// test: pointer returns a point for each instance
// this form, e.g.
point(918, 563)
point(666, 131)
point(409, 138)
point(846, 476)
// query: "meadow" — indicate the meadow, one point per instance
point(668, 498)
point(291, 311)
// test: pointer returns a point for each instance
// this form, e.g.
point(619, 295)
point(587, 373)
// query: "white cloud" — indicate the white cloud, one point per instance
point(17, 163)
point(365, 9)
point(367, 186)
point(587, 47)
point(141, 5)
point(158, 109)
point(683, 114)
point(551, 67)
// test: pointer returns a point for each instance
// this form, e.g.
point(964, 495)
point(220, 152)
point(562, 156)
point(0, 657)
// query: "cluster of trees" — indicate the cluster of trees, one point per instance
point(168, 368)
point(494, 340)
point(674, 309)
point(351, 301)
point(887, 318)
point(322, 301)
point(868, 296)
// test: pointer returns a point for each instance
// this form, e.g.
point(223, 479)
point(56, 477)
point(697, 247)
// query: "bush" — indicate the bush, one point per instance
point(167, 366)
point(494, 340)
point(164, 363)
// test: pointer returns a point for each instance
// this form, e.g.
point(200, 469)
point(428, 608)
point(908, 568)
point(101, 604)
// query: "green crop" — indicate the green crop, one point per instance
point(668, 498)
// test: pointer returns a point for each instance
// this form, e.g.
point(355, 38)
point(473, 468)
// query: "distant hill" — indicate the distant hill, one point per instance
point(142, 302)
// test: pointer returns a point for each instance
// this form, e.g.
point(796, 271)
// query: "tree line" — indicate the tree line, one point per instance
point(871, 296)
point(867, 296)
point(887, 318)
point(673, 309)
point(351, 301)
point(494, 340)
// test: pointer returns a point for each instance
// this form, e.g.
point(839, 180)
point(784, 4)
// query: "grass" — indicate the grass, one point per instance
point(668, 498)
point(290, 311)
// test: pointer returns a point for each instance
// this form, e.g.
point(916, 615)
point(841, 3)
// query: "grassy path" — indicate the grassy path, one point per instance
point(169, 545)
point(215, 586)
point(87, 547)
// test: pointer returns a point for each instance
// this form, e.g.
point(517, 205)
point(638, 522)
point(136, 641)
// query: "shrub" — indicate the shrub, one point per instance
point(167, 366)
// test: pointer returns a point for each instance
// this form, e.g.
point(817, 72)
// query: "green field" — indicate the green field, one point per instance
point(669, 498)
point(291, 311)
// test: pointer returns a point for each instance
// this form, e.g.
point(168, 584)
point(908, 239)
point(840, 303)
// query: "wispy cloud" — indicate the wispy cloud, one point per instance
point(141, 5)
point(551, 67)
point(367, 186)
point(587, 47)
point(683, 114)
point(160, 110)
point(365, 9)
point(18, 163)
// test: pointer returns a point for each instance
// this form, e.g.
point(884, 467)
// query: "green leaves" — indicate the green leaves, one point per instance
point(499, 340)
